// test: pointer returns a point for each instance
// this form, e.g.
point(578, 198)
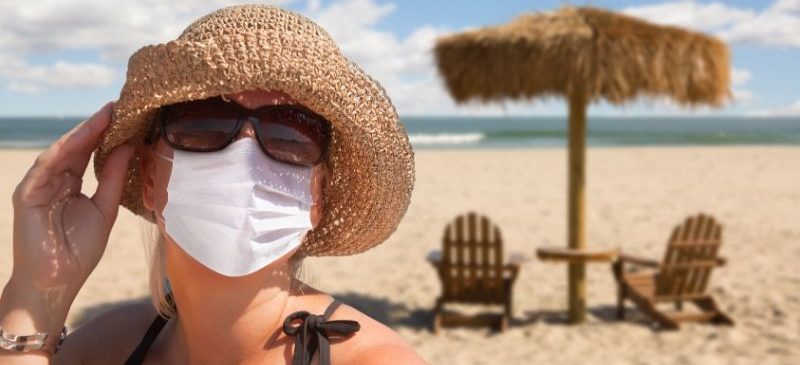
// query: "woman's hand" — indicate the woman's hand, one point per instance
point(60, 234)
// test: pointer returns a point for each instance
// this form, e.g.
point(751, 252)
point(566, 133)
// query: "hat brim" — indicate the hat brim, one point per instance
point(370, 158)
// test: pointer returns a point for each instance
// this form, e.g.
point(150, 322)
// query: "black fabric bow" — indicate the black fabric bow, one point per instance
point(313, 334)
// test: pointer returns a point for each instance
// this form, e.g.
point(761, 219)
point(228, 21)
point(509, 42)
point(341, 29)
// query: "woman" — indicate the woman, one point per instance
point(250, 142)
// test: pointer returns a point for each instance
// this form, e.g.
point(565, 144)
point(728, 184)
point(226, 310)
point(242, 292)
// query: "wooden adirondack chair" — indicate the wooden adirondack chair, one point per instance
point(683, 275)
point(472, 271)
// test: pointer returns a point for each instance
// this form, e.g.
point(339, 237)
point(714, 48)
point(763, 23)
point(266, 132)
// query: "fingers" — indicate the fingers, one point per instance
point(73, 150)
point(112, 182)
point(47, 191)
point(70, 153)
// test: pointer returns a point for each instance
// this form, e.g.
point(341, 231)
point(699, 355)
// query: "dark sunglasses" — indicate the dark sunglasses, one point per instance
point(287, 133)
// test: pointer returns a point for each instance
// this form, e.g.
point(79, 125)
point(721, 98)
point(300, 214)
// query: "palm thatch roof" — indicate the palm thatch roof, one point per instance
point(586, 52)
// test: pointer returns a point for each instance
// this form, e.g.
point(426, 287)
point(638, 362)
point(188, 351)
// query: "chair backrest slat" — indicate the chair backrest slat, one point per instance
point(486, 255)
point(473, 261)
point(460, 260)
point(472, 265)
point(690, 256)
point(446, 267)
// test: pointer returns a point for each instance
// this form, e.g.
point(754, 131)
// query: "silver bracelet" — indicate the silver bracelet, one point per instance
point(36, 342)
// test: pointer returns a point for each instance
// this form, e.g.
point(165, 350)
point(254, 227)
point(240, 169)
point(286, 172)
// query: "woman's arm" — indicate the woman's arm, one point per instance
point(388, 354)
point(27, 310)
point(376, 343)
point(60, 234)
point(108, 338)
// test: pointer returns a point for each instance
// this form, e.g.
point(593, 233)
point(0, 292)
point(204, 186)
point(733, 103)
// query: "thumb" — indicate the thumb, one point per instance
point(112, 181)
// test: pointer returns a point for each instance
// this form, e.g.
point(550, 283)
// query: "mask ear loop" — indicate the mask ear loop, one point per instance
point(162, 156)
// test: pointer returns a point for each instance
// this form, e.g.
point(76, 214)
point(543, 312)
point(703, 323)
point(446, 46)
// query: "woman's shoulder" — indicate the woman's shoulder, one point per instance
point(100, 340)
point(374, 343)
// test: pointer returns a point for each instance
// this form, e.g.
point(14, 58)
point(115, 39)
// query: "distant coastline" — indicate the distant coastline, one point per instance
point(444, 132)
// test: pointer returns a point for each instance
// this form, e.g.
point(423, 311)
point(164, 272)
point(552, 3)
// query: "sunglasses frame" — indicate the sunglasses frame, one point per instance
point(242, 115)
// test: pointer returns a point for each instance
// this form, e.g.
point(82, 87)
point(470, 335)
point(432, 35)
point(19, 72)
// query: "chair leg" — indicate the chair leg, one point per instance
point(678, 305)
point(437, 323)
point(649, 308)
point(437, 316)
point(508, 306)
point(503, 323)
point(710, 305)
point(616, 267)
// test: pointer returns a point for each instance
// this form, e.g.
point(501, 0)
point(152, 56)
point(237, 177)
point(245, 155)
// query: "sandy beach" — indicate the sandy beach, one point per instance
point(634, 198)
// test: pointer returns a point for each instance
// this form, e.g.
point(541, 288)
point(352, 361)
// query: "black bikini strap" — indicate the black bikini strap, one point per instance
point(313, 332)
point(137, 357)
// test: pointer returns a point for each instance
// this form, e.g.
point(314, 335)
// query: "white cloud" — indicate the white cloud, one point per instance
point(739, 80)
point(313, 5)
point(776, 25)
point(30, 79)
point(66, 74)
point(704, 17)
point(740, 76)
point(743, 95)
point(113, 29)
point(24, 87)
point(403, 66)
point(791, 110)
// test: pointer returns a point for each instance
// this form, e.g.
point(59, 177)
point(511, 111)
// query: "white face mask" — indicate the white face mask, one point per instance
point(237, 210)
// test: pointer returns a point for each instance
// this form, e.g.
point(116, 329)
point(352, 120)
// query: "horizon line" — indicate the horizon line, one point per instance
point(433, 116)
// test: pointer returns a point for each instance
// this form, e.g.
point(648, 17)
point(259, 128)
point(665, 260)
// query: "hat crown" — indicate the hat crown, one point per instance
point(261, 47)
point(252, 19)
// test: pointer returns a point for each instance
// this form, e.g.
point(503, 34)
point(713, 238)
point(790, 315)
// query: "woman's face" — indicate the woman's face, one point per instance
point(156, 171)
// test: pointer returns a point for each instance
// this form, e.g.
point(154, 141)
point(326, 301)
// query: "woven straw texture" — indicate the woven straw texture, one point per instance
point(583, 50)
point(262, 47)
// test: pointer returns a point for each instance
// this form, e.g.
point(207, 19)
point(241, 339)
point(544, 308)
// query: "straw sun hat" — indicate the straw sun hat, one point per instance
point(262, 47)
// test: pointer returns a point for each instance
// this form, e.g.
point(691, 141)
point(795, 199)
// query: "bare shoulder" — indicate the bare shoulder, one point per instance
point(109, 337)
point(375, 343)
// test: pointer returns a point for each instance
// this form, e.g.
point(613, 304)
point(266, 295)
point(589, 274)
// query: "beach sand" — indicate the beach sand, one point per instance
point(634, 198)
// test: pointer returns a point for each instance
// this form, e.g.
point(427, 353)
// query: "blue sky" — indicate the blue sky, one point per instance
point(57, 58)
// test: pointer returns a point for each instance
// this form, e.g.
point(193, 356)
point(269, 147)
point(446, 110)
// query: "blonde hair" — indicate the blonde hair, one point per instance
point(157, 271)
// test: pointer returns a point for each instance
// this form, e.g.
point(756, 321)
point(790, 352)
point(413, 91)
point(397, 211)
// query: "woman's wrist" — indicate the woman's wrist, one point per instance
point(25, 309)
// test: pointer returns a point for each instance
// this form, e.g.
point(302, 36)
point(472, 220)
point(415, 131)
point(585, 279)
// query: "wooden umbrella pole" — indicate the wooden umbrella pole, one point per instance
point(576, 232)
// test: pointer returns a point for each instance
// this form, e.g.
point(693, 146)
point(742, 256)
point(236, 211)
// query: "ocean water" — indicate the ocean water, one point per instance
point(513, 132)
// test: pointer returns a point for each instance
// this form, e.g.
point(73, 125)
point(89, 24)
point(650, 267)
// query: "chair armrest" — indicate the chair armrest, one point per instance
point(625, 259)
point(516, 258)
point(512, 270)
point(434, 257)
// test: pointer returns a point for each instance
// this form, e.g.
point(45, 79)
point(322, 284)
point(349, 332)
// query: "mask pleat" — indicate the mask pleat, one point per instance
point(237, 210)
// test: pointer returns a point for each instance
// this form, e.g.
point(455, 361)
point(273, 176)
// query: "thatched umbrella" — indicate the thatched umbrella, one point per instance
point(583, 54)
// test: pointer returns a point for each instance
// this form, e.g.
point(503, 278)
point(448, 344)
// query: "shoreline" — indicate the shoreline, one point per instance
point(534, 148)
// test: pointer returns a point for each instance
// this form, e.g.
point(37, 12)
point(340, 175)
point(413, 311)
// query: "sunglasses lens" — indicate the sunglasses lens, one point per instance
point(294, 136)
point(197, 126)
